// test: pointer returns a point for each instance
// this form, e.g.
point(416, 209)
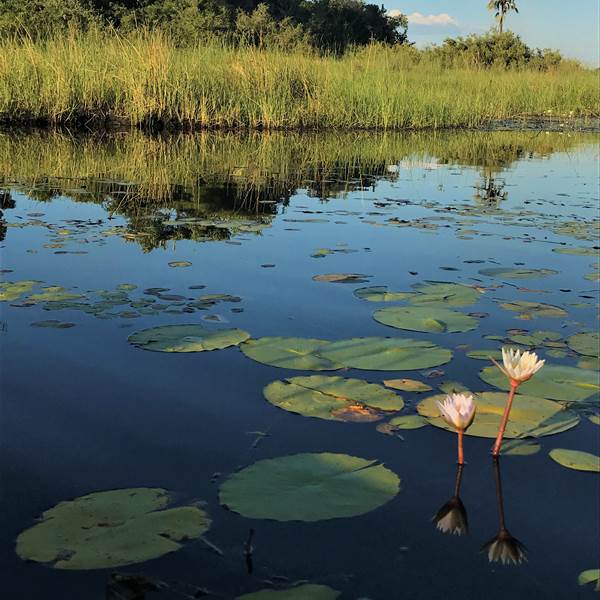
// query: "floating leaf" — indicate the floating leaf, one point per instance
point(380, 294)
point(590, 576)
point(332, 398)
point(517, 273)
point(110, 529)
point(342, 278)
point(595, 419)
point(587, 343)
point(432, 319)
point(529, 417)
point(11, 291)
point(385, 354)
point(408, 422)
point(485, 354)
point(520, 448)
point(531, 310)
point(575, 459)
point(180, 263)
point(54, 293)
point(289, 353)
point(441, 292)
point(305, 591)
point(407, 385)
point(580, 251)
point(309, 487)
point(186, 338)
point(52, 323)
point(452, 387)
point(557, 382)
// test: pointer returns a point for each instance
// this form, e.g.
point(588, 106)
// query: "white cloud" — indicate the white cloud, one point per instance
point(416, 18)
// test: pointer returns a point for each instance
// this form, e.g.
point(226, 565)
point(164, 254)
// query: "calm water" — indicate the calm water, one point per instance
point(83, 410)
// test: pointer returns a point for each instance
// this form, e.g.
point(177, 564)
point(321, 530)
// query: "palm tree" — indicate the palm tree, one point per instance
point(502, 7)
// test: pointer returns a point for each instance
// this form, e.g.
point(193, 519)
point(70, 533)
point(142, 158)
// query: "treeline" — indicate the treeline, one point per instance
point(323, 26)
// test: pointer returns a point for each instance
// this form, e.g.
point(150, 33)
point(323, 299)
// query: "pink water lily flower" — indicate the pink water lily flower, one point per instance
point(458, 410)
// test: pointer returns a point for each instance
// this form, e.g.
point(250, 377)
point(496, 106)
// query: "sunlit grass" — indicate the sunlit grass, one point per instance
point(144, 79)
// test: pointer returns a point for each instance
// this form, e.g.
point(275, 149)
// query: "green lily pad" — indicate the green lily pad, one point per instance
point(180, 263)
point(595, 419)
point(54, 293)
point(529, 417)
point(408, 422)
point(385, 354)
point(53, 324)
point(537, 338)
point(578, 251)
point(380, 294)
point(111, 529)
point(305, 591)
point(452, 387)
point(531, 310)
point(485, 354)
point(309, 487)
point(333, 398)
point(342, 278)
point(11, 291)
point(407, 385)
point(557, 382)
point(441, 292)
point(590, 576)
point(431, 319)
point(186, 338)
point(517, 273)
point(290, 353)
point(587, 343)
point(518, 447)
point(575, 459)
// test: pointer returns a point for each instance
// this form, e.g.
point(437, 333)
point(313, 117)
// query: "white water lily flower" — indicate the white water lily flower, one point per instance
point(519, 367)
point(458, 410)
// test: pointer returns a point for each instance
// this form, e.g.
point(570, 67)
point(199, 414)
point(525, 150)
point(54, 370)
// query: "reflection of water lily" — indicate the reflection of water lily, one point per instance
point(458, 410)
point(518, 367)
point(506, 549)
point(452, 517)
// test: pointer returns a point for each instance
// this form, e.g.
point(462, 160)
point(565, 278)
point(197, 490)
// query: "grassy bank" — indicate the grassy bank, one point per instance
point(145, 80)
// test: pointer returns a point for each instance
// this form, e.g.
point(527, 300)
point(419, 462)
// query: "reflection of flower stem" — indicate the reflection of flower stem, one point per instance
point(461, 453)
point(458, 481)
point(498, 444)
point(499, 498)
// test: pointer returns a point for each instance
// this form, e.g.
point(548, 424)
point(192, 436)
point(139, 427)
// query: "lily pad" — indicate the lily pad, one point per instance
point(517, 273)
point(342, 278)
point(531, 310)
point(557, 382)
point(529, 417)
point(380, 294)
point(441, 292)
point(431, 319)
point(54, 293)
point(577, 251)
point(290, 353)
point(485, 354)
point(111, 529)
point(575, 459)
point(385, 354)
point(587, 343)
point(309, 487)
point(180, 263)
point(11, 291)
point(407, 385)
point(53, 324)
point(519, 447)
point(595, 419)
point(305, 591)
point(332, 398)
point(590, 576)
point(186, 338)
point(408, 422)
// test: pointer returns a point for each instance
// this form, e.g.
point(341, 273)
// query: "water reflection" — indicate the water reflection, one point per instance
point(490, 191)
point(503, 547)
point(452, 516)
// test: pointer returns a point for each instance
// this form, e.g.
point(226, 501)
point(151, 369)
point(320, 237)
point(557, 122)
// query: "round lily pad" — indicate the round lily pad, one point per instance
point(332, 398)
point(305, 591)
point(408, 422)
point(557, 382)
point(111, 529)
point(519, 447)
point(529, 417)
point(53, 324)
point(485, 354)
point(11, 291)
point(290, 353)
point(309, 487)
point(575, 459)
point(342, 278)
point(407, 385)
point(180, 263)
point(385, 354)
point(186, 338)
point(441, 292)
point(431, 319)
point(587, 343)
point(531, 310)
point(590, 576)
point(517, 273)
point(595, 419)
point(380, 294)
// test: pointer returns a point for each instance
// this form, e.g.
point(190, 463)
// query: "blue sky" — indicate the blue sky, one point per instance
point(571, 26)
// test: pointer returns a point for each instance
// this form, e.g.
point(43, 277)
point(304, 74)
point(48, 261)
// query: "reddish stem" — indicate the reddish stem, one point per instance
point(498, 444)
point(461, 453)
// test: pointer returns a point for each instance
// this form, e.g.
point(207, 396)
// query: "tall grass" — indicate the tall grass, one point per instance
point(143, 79)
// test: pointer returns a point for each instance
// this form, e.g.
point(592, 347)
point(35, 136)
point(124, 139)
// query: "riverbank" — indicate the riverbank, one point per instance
point(99, 79)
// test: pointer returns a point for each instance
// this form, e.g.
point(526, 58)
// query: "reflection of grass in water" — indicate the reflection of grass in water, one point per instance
point(145, 79)
point(225, 171)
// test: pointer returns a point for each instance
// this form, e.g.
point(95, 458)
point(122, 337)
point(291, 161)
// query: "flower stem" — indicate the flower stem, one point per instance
point(498, 444)
point(461, 453)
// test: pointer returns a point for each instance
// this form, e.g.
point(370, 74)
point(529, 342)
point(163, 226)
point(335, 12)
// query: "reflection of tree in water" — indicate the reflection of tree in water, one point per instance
point(490, 191)
point(6, 202)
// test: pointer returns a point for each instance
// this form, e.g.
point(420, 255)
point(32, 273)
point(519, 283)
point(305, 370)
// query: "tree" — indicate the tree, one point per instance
point(502, 7)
